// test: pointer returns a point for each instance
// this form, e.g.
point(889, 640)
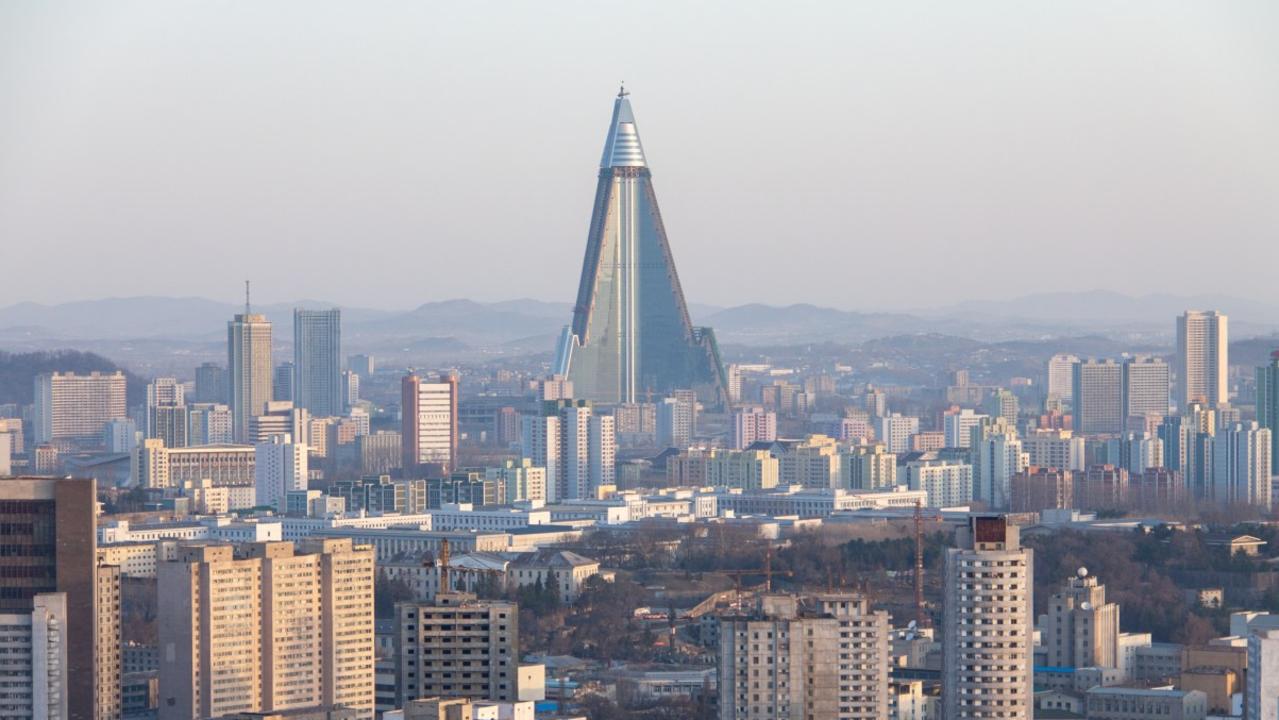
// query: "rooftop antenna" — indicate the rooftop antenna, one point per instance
point(246, 297)
point(621, 91)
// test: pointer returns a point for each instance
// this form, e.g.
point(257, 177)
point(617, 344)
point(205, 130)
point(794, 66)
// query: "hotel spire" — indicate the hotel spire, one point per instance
point(631, 335)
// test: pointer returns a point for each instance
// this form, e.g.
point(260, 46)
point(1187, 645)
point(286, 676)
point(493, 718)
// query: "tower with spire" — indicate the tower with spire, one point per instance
point(631, 335)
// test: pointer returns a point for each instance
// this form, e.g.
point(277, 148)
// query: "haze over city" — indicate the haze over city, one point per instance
point(848, 361)
point(1007, 148)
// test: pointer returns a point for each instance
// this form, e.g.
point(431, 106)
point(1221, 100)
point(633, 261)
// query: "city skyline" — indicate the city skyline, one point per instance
point(972, 409)
point(947, 160)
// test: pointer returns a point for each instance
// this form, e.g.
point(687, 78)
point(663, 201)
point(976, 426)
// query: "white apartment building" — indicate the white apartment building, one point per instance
point(958, 427)
point(987, 667)
point(71, 408)
point(895, 431)
point(280, 465)
point(947, 483)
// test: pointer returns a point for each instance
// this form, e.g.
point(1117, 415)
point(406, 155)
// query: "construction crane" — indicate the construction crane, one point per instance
point(767, 571)
point(443, 563)
point(920, 616)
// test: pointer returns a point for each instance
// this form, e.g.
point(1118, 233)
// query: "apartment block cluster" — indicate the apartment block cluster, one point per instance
point(268, 500)
point(829, 655)
point(249, 624)
point(1129, 433)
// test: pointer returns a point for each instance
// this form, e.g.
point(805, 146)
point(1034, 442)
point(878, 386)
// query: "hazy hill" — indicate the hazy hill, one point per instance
point(152, 332)
point(1106, 306)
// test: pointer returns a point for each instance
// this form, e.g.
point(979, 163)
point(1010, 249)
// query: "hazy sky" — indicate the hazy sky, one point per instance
point(854, 154)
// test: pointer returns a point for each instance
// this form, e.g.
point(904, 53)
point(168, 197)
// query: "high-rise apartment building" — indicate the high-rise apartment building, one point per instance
point(1261, 696)
point(812, 462)
point(379, 453)
point(17, 438)
point(957, 426)
point(1203, 360)
point(429, 421)
point(949, 483)
point(1054, 449)
point(1242, 465)
point(1036, 489)
point(108, 640)
point(72, 409)
point(813, 656)
point(119, 436)
point(280, 417)
point(1098, 403)
point(631, 332)
point(209, 424)
point(211, 384)
point(170, 423)
point(1268, 401)
point(1135, 452)
point(987, 669)
point(523, 480)
point(745, 469)
point(1102, 487)
point(457, 646)
point(33, 645)
point(362, 365)
point(163, 392)
point(349, 385)
point(895, 431)
point(1002, 403)
point(555, 387)
point(753, 424)
point(280, 466)
point(282, 382)
point(249, 370)
point(49, 612)
point(1061, 368)
point(1145, 388)
point(266, 627)
point(576, 446)
point(868, 467)
point(675, 423)
point(1080, 628)
point(996, 455)
point(317, 361)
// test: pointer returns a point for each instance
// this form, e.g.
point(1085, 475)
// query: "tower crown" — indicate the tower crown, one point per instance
point(622, 147)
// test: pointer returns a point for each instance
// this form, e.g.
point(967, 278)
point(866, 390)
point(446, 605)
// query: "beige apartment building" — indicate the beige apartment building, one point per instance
point(265, 627)
point(811, 656)
point(1080, 628)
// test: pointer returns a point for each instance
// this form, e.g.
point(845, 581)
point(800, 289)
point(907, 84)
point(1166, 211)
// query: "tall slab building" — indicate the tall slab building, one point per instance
point(1203, 344)
point(249, 369)
point(317, 361)
point(57, 657)
point(631, 333)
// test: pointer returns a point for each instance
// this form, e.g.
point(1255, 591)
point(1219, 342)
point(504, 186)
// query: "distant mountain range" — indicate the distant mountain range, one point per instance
point(142, 326)
point(1094, 305)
